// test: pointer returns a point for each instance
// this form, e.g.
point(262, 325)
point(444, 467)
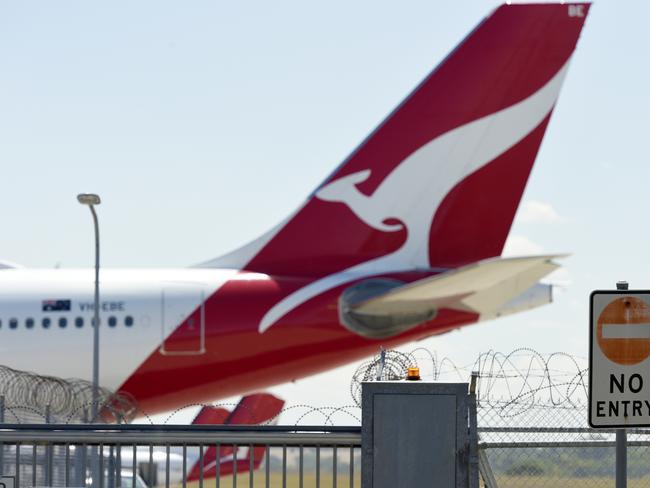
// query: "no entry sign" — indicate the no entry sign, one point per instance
point(619, 364)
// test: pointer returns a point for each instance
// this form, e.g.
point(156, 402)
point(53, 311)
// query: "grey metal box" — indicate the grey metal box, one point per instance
point(414, 434)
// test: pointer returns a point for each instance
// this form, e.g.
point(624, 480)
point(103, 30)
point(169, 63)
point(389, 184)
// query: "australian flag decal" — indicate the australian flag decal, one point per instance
point(56, 305)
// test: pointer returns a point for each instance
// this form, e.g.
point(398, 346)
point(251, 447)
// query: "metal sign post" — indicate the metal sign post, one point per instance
point(621, 434)
point(621, 458)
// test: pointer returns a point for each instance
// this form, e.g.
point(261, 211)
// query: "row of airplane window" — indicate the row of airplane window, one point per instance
point(63, 322)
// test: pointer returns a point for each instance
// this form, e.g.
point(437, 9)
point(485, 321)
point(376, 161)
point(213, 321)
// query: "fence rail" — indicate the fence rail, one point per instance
point(253, 435)
point(558, 430)
point(540, 444)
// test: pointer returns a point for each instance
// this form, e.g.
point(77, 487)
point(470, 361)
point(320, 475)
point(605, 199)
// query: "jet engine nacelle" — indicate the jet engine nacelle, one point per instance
point(377, 326)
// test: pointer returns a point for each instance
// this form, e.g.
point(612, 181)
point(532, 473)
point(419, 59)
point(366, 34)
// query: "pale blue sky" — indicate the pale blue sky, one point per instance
point(202, 124)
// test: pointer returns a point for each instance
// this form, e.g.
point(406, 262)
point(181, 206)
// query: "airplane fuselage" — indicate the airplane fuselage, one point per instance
point(175, 336)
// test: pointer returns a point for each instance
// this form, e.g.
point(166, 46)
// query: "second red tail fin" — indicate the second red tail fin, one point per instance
point(259, 408)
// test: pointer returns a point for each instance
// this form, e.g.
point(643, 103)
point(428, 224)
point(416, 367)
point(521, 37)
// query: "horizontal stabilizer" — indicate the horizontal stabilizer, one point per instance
point(8, 265)
point(479, 287)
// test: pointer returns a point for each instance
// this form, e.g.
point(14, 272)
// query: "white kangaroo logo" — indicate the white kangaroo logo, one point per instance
point(345, 190)
point(413, 191)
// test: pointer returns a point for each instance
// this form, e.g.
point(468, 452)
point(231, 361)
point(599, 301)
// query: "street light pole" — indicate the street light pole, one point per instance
point(91, 200)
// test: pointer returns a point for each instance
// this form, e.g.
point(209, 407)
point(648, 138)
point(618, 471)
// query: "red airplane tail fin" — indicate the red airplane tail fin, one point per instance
point(256, 409)
point(438, 182)
point(259, 408)
point(209, 415)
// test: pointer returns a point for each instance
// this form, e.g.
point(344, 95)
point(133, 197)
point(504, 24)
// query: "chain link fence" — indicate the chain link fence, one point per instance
point(533, 429)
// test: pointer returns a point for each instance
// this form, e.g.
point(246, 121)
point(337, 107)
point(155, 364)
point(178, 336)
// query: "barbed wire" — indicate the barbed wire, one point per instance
point(388, 365)
point(508, 385)
point(29, 397)
point(526, 379)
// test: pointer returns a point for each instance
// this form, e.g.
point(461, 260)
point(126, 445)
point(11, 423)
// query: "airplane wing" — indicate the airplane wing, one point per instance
point(482, 287)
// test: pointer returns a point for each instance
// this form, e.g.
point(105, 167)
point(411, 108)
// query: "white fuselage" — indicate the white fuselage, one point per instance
point(138, 309)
